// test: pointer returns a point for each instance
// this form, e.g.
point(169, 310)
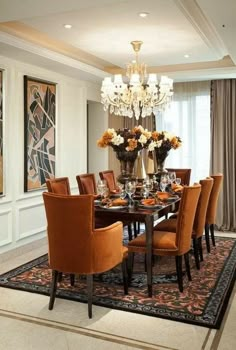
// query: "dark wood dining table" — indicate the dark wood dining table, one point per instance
point(139, 214)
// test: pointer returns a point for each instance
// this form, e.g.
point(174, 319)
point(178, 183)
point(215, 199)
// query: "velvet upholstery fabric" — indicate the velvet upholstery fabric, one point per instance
point(109, 176)
point(74, 245)
point(213, 200)
point(59, 185)
point(177, 242)
point(86, 184)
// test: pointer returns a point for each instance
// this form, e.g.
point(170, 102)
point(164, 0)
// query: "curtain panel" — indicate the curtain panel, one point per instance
point(223, 148)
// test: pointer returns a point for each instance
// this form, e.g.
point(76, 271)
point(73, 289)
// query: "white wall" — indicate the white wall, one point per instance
point(22, 217)
point(97, 124)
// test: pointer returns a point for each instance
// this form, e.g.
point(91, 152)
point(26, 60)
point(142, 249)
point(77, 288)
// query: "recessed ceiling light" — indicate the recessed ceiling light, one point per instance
point(186, 56)
point(67, 26)
point(143, 14)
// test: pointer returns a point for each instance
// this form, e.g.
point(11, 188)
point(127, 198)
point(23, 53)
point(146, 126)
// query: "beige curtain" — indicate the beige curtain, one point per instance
point(223, 148)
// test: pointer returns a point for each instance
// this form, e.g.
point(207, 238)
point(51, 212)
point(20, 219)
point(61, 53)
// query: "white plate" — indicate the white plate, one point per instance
point(114, 207)
point(153, 206)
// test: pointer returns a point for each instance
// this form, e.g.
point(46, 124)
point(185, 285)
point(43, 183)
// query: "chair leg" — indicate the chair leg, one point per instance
point(72, 279)
point(130, 232)
point(125, 275)
point(207, 238)
point(178, 261)
point(53, 289)
point(130, 266)
point(90, 294)
point(200, 248)
point(196, 253)
point(212, 234)
point(187, 265)
point(59, 277)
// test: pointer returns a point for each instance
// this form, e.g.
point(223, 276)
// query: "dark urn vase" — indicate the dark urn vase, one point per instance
point(127, 160)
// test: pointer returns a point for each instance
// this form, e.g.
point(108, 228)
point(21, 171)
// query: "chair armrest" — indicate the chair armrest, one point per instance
point(107, 246)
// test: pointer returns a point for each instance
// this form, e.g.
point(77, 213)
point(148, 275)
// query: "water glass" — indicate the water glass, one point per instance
point(102, 188)
point(178, 181)
point(130, 188)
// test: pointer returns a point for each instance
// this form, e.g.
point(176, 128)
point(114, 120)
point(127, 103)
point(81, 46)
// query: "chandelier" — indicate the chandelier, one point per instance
point(142, 96)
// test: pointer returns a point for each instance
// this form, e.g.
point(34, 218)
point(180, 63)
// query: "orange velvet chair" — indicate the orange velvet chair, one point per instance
point(109, 176)
point(173, 243)
point(75, 247)
point(87, 184)
point(184, 174)
point(211, 210)
point(59, 185)
point(199, 220)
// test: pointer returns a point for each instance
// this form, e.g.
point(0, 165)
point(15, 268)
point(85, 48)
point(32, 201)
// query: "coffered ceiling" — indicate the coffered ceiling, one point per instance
point(99, 40)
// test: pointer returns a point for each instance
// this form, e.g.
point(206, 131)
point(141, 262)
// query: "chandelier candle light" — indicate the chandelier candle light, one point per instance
point(142, 96)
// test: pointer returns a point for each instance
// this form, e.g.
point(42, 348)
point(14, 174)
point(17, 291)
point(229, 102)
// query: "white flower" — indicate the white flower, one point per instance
point(159, 143)
point(142, 139)
point(152, 146)
point(117, 140)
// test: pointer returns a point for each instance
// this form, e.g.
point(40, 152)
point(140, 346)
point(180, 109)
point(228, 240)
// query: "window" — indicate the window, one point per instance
point(189, 118)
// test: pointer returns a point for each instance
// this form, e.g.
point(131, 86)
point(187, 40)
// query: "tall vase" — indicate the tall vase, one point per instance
point(140, 168)
point(127, 160)
point(159, 161)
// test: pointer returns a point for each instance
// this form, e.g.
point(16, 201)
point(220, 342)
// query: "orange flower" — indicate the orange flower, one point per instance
point(155, 135)
point(132, 144)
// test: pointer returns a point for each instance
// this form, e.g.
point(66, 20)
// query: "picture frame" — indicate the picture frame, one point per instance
point(1, 132)
point(39, 132)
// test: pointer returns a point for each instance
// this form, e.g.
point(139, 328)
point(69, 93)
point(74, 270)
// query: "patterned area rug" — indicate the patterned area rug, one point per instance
point(203, 301)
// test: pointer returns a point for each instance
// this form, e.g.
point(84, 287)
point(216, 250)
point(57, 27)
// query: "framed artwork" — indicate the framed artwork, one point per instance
point(1, 133)
point(40, 118)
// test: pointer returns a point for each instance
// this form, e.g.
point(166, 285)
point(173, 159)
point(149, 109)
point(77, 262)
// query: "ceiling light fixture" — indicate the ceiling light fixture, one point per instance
point(67, 26)
point(186, 56)
point(141, 96)
point(143, 14)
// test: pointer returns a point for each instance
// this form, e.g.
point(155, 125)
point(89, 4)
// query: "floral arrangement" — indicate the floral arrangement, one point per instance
point(125, 139)
point(164, 141)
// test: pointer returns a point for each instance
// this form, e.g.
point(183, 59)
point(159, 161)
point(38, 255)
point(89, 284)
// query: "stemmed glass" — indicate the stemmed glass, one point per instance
point(130, 188)
point(172, 176)
point(163, 183)
point(178, 181)
point(102, 188)
point(147, 187)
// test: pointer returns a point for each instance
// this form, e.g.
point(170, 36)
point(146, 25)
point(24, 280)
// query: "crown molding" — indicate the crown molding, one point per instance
point(203, 26)
point(11, 40)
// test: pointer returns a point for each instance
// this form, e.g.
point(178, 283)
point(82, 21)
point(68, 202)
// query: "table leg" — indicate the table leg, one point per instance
point(149, 229)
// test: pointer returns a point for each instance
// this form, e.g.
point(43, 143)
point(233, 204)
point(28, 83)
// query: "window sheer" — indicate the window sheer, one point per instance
point(189, 118)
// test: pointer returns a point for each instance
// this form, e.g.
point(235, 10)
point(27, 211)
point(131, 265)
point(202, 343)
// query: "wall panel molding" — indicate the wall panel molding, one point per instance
point(6, 227)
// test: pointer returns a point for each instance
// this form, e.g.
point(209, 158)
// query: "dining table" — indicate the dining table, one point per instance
point(136, 213)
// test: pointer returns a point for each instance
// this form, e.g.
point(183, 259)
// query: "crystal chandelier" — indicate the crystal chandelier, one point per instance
point(142, 96)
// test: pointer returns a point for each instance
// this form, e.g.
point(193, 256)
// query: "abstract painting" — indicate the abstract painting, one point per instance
point(40, 118)
point(1, 135)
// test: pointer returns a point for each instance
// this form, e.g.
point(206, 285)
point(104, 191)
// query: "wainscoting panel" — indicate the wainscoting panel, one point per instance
point(5, 227)
point(29, 220)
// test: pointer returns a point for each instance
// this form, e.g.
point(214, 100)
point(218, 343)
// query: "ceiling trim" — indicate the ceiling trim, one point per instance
point(49, 54)
point(203, 26)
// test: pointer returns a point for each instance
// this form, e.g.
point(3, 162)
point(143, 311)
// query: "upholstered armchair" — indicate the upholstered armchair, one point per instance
point(59, 185)
point(75, 247)
point(174, 242)
point(199, 220)
point(211, 210)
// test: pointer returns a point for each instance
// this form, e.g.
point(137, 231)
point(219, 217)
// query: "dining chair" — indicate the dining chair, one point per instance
point(199, 220)
point(109, 176)
point(211, 210)
point(59, 185)
point(183, 174)
point(87, 184)
point(172, 243)
point(75, 247)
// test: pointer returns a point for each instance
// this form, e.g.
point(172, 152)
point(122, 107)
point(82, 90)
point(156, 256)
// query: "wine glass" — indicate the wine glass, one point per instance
point(172, 176)
point(147, 187)
point(178, 181)
point(130, 188)
point(163, 183)
point(102, 188)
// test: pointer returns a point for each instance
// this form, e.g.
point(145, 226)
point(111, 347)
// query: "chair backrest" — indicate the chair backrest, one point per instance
point(109, 176)
point(184, 174)
point(200, 216)
point(213, 200)
point(86, 183)
point(185, 219)
point(70, 230)
point(59, 185)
